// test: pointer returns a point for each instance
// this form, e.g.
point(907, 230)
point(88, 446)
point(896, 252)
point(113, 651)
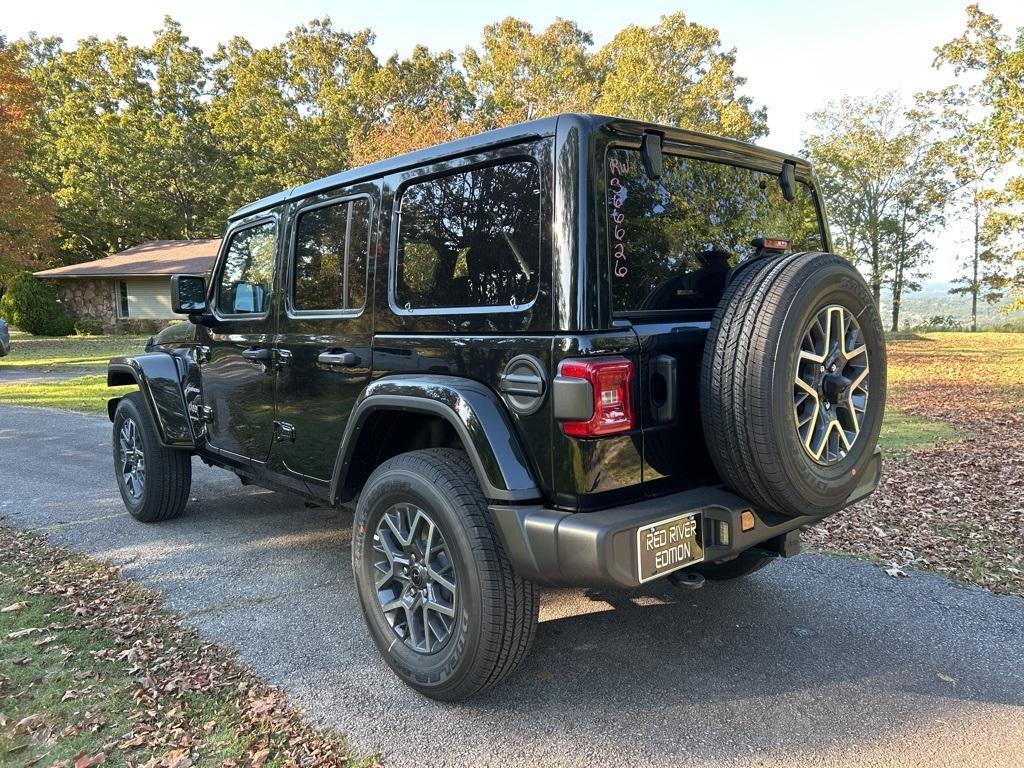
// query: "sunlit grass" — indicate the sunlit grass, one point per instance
point(88, 394)
point(71, 351)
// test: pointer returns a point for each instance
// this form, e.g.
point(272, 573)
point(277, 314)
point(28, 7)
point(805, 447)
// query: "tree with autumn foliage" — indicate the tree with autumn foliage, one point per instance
point(26, 217)
point(989, 68)
point(161, 141)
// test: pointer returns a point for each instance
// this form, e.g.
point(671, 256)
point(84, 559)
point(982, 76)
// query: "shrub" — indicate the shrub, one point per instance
point(32, 306)
point(89, 327)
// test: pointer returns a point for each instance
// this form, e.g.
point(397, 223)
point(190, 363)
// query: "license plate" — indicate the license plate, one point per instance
point(669, 545)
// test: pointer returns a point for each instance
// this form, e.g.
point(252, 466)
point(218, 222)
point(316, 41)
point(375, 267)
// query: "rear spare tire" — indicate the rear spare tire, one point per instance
point(793, 383)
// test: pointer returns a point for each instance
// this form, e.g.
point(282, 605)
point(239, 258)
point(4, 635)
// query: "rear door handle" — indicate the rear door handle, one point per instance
point(261, 354)
point(339, 359)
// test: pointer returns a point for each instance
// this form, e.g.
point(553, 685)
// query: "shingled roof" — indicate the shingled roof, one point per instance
point(159, 257)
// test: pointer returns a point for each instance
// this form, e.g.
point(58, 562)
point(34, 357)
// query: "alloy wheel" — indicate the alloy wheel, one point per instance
point(415, 578)
point(133, 460)
point(830, 391)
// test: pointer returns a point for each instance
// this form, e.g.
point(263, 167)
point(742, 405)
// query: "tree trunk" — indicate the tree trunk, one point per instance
point(897, 296)
point(974, 277)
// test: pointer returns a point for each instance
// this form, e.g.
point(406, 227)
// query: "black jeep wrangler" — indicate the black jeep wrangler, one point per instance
point(578, 351)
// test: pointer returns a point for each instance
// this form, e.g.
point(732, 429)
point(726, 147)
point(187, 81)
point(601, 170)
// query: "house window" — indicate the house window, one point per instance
point(122, 299)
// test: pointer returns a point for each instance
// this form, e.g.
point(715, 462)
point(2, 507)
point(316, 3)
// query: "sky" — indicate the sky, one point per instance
point(795, 54)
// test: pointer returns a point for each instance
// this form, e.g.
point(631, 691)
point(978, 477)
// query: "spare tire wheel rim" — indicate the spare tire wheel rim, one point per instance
point(414, 578)
point(830, 392)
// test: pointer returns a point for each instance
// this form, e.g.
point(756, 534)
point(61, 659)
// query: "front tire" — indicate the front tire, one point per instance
point(154, 481)
point(441, 601)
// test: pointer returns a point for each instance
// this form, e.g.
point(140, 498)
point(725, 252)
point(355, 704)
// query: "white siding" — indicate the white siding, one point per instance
point(149, 298)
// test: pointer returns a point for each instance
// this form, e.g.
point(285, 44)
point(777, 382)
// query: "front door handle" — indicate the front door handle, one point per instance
point(258, 354)
point(339, 359)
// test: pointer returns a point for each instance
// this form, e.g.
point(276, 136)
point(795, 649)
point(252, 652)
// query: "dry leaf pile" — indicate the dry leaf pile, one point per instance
point(957, 508)
point(173, 673)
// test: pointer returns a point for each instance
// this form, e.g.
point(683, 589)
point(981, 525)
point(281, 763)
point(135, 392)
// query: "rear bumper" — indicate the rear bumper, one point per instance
point(599, 548)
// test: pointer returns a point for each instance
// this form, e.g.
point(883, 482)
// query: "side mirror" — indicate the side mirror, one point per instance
point(188, 294)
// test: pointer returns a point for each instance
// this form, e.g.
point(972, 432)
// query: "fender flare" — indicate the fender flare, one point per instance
point(471, 408)
point(159, 380)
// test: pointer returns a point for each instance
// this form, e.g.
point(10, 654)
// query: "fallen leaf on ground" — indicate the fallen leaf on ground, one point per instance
point(895, 571)
point(945, 678)
point(24, 632)
point(29, 724)
point(13, 607)
point(83, 760)
point(44, 641)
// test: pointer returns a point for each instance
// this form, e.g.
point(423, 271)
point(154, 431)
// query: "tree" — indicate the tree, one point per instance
point(26, 218)
point(675, 73)
point(973, 161)
point(519, 74)
point(123, 142)
point(994, 66)
point(882, 178)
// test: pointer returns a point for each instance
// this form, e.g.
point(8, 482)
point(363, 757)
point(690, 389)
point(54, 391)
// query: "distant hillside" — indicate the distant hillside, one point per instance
point(934, 299)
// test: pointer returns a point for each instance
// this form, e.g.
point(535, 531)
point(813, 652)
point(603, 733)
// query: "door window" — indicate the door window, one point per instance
point(331, 250)
point(247, 277)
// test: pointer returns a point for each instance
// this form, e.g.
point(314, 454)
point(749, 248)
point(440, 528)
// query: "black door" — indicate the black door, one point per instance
point(238, 375)
point(325, 329)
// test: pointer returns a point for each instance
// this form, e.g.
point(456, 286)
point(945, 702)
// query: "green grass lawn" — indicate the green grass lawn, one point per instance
point(902, 433)
point(69, 351)
point(87, 394)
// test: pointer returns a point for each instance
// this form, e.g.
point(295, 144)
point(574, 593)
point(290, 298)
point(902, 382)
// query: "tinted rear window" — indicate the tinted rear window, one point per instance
point(672, 241)
point(470, 239)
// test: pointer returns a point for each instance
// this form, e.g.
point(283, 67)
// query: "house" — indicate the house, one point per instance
point(134, 285)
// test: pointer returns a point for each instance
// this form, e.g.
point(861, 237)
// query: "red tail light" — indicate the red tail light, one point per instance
point(611, 379)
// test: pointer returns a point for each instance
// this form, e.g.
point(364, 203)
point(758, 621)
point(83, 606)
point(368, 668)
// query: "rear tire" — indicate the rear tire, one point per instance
point(441, 601)
point(763, 427)
point(154, 481)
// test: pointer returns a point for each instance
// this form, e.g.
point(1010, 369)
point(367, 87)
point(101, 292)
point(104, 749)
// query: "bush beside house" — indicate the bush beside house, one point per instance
point(31, 305)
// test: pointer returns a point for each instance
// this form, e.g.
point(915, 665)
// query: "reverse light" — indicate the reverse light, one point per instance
point(611, 383)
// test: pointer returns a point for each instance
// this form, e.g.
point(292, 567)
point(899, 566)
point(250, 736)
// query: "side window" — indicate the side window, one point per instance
point(247, 278)
point(331, 250)
point(470, 239)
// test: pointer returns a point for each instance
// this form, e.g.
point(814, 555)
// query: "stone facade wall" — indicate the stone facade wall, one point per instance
point(93, 301)
point(88, 299)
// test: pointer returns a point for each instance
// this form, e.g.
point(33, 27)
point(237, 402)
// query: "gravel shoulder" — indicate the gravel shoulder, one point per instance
point(819, 660)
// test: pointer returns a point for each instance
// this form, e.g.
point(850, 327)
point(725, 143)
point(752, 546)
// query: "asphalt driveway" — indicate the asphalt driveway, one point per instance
point(812, 661)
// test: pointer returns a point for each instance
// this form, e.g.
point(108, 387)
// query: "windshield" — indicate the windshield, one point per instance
point(672, 241)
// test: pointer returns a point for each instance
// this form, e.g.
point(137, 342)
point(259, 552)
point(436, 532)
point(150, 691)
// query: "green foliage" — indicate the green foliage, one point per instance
point(885, 183)
point(675, 73)
point(160, 141)
point(32, 306)
point(991, 93)
point(89, 327)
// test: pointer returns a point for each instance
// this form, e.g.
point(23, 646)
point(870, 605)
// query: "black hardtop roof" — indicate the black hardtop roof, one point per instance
point(513, 134)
